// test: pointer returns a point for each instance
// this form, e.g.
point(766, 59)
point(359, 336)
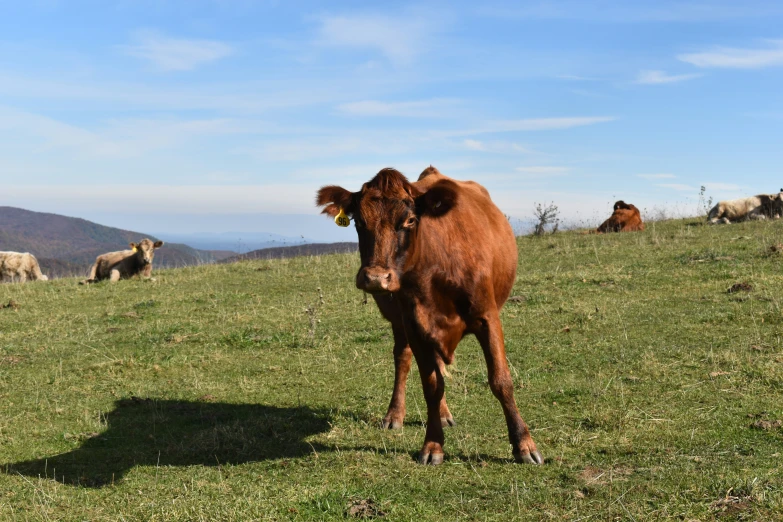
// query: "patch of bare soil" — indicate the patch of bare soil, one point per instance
point(364, 508)
point(730, 505)
point(767, 425)
point(740, 287)
point(593, 476)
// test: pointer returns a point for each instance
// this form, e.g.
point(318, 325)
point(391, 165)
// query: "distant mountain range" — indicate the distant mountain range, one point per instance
point(66, 246)
point(237, 242)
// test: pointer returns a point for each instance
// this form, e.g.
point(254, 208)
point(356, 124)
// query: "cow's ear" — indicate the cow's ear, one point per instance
point(133, 246)
point(335, 198)
point(438, 200)
point(157, 244)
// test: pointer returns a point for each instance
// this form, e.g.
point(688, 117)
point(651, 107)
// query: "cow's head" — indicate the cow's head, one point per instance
point(145, 250)
point(387, 212)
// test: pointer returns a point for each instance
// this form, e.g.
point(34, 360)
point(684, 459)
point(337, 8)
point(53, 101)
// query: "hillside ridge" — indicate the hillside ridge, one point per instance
point(68, 245)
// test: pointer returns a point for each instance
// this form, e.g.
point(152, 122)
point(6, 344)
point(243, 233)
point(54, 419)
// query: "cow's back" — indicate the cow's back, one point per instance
point(738, 209)
point(104, 263)
point(472, 241)
point(11, 262)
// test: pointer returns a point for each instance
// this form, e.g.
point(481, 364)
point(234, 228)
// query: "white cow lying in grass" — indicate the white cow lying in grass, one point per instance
point(20, 266)
point(762, 206)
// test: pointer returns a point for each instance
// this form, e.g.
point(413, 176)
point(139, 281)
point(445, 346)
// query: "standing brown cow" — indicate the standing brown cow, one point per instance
point(439, 259)
point(625, 218)
point(125, 264)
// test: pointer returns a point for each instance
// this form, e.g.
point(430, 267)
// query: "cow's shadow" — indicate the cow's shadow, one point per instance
point(145, 432)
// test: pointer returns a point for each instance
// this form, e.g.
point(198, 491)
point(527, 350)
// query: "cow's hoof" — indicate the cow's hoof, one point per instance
point(529, 457)
point(390, 423)
point(431, 453)
point(447, 421)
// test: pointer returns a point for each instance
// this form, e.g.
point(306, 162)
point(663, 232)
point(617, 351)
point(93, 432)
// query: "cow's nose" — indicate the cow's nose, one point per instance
point(374, 280)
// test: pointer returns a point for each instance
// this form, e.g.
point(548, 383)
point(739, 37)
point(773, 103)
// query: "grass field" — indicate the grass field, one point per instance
point(254, 390)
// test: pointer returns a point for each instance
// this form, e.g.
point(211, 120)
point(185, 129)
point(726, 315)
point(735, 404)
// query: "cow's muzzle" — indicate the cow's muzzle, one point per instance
point(377, 280)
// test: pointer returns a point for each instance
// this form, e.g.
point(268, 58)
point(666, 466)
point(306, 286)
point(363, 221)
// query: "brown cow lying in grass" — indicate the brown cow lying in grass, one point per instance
point(625, 218)
point(20, 266)
point(125, 263)
point(440, 259)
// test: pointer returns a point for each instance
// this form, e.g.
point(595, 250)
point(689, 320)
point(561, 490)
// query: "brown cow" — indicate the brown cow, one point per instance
point(439, 259)
point(125, 263)
point(625, 218)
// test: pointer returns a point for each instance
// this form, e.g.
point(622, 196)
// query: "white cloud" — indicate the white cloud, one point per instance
point(495, 147)
point(725, 187)
point(189, 199)
point(314, 148)
point(236, 97)
point(635, 12)
point(543, 170)
point(659, 77)
point(576, 78)
point(400, 39)
point(415, 109)
point(737, 58)
point(118, 138)
point(474, 145)
point(678, 186)
point(176, 54)
point(656, 176)
point(323, 145)
point(532, 124)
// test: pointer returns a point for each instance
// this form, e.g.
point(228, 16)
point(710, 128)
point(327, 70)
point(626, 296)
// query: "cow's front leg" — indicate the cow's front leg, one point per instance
point(490, 336)
point(432, 382)
point(395, 415)
point(114, 276)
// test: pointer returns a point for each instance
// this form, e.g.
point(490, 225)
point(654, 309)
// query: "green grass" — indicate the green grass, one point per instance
point(254, 391)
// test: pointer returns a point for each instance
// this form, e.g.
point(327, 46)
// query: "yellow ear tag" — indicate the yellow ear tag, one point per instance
point(341, 219)
point(134, 249)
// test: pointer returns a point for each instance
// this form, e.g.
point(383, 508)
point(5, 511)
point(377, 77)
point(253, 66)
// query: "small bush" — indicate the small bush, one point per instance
point(546, 215)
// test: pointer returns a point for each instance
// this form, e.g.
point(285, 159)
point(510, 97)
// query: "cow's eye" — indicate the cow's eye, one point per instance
point(409, 222)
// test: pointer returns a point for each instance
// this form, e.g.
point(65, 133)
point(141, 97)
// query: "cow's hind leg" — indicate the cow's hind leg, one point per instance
point(114, 276)
point(490, 336)
point(446, 418)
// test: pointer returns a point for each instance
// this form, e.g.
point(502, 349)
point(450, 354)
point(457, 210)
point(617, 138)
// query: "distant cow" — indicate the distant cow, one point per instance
point(20, 266)
point(625, 218)
point(440, 259)
point(763, 206)
point(125, 263)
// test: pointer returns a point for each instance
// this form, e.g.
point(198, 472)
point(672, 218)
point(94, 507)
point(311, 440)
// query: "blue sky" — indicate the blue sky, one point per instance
point(217, 115)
